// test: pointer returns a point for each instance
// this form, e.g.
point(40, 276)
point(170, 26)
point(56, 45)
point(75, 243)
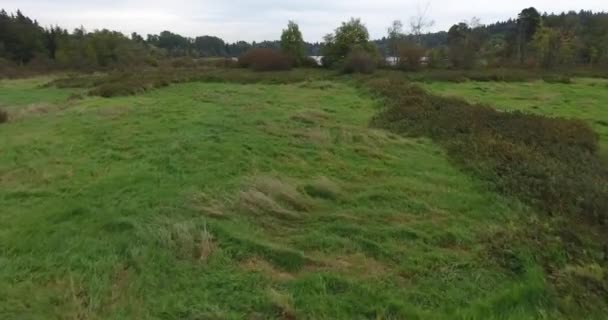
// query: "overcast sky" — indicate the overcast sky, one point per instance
point(263, 19)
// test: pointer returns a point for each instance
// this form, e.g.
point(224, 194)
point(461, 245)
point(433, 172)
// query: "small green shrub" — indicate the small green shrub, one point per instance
point(3, 116)
point(359, 61)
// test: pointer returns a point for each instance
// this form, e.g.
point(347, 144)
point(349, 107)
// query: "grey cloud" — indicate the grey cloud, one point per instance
point(264, 19)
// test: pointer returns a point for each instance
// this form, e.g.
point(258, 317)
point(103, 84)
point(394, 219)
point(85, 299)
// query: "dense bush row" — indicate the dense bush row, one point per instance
point(124, 83)
point(487, 75)
point(549, 163)
point(264, 59)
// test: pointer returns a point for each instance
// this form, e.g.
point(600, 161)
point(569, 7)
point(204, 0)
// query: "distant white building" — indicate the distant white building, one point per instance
point(391, 61)
point(318, 59)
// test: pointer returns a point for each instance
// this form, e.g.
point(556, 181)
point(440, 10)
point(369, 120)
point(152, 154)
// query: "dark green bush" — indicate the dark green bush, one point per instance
point(108, 90)
point(549, 163)
point(410, 56)
point(264, 59)
point(129, 83)
point(309, 62)
point(3, 116)
point(359, 61)
point(564, 79)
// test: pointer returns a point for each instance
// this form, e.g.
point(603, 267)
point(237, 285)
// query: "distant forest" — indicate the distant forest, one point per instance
point(572, 38)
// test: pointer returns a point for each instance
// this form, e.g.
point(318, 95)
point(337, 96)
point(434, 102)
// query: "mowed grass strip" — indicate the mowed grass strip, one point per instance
point(226, 201)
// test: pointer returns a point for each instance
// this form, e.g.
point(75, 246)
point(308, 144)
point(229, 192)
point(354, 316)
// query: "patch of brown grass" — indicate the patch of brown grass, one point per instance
point(265, 268)
point(208, 206)
point(357, 264)
point(80, 300)
point(317, 135)
point(324, 188)
point(120, 283)
point(38, 109)
point(114, 112)
point(310, 117)
point(257, 202)
point(283, 191)
point(370, 152)
point(206, 246)
point(283, 302)
point(269, 195)
point(188, 240)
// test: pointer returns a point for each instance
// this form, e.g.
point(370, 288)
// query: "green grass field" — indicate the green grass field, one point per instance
point(228, 201)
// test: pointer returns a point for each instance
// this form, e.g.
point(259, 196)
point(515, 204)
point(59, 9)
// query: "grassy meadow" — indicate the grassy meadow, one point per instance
point(209, 200)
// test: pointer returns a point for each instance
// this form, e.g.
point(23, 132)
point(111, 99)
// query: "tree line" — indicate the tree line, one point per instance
point(532, 39)
point(23, 41)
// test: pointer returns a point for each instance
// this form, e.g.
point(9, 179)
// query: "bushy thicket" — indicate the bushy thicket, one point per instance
point(547, 162)
point(359, 61)
point(410, 56)
point(265, 59)
point(124, 83)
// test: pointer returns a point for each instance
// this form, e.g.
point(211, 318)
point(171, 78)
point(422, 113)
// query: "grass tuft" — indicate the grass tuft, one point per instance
point(323, 188)
point(283, 304)
point(284, 192)
point(206, 246)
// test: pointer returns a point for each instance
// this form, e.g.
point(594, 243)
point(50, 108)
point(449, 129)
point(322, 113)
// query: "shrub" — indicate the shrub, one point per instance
point(410, 57)
point(184, 62)
point(3, 116)
point(564, 79)
point(359, 61)
point(151, 61)
point(310, 62)
point(108, 90)
point(264, 59)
